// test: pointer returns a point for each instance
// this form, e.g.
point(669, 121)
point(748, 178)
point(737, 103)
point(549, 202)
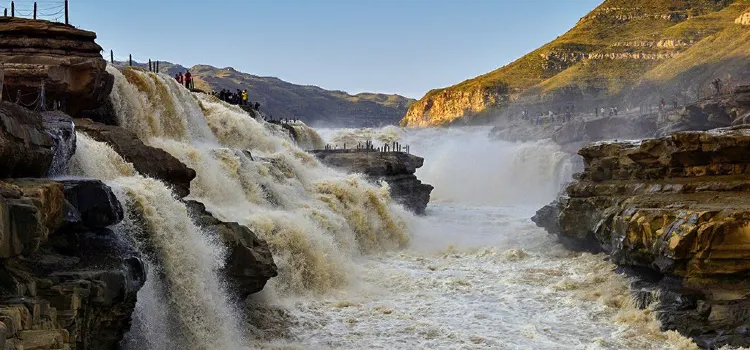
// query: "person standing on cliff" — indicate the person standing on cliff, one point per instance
point(181, 78)
point(188, 80)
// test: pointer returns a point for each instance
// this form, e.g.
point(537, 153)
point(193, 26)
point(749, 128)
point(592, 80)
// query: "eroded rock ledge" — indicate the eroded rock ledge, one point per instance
point(66, 59)
point(149, 161)
point(676, 211)
point(395, 168)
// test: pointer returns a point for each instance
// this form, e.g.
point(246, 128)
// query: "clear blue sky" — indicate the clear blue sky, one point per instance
point(392, 46)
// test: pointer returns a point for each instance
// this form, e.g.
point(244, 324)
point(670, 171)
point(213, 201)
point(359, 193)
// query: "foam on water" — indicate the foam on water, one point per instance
point(478, 273)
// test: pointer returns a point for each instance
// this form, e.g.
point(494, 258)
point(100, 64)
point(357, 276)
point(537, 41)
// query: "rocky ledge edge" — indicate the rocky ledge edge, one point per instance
point(675, 213)
point(395, 168)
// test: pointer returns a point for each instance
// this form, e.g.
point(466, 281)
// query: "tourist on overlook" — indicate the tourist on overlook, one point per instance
point(180, 78)
point(188, 80)
point(244, 97)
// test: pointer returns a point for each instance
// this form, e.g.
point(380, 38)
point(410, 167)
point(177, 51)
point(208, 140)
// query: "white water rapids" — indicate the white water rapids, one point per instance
point(356, 271)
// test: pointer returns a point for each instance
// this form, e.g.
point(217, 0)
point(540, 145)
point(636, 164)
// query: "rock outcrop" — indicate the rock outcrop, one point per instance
point(395, 168)
point(249, 263)
point(25, 145)
point(65, 59)
point(676, 207)
point(66, 280)
point(149, 161)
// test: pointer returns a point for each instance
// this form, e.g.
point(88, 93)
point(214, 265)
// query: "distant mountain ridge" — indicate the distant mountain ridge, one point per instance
point(625, 52)
point(312, 104)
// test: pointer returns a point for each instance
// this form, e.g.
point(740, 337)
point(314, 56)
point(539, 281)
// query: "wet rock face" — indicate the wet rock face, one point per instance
point(26, 149)
point(395, 168)
point(95, 204)
point(62, 131)
point(249, 264)
point(678, 206)
point(66, 280)
point(149, 161)
point(66, 59)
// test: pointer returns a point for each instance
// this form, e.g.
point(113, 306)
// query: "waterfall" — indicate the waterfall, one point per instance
point(307, 137)
point(466, 166)
point(316, 220)
point(196, 312)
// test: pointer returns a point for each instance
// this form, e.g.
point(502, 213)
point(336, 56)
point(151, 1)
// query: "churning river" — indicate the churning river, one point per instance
point(356, 271)
point(477, 274)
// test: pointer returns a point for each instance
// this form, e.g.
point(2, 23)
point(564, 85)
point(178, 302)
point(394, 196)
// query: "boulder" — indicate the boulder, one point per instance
point(395, 168)
point(26, 149)
point(62, 59)
point(679, 207)
point(249, 264)
point(94, 203)
point(149, 161)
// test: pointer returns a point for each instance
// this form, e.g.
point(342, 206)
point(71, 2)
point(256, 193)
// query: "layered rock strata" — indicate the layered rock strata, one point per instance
point(149, 161)
point(249, 263)
point(66, 280)
point(395, 168)
point(676, 211)
point(66, 61)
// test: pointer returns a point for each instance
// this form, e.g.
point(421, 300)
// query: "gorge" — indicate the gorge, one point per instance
point(137, 214)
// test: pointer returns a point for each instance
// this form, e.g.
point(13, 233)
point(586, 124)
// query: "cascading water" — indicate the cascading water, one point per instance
point(307, 138)
point(466, 166)
point(314, 219)
point(184, 304)
point(62, 130)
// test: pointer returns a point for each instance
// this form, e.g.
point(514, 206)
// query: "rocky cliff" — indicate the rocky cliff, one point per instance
point(674, 210)
point(622, 53)
point(65, 61)
point(67, 280)
point(395, 168)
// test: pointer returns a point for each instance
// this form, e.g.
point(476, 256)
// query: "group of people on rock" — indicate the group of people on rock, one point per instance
point(185, 79)
point(613, 111)
point(236, 98)
point(560, 115)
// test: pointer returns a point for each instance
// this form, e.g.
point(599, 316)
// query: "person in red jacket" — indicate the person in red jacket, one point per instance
point(180, 78)
point(188, 80)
